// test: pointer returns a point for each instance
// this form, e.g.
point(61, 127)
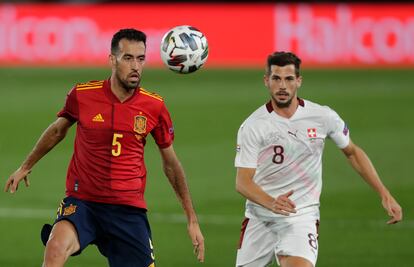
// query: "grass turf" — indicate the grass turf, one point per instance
point(207, 108)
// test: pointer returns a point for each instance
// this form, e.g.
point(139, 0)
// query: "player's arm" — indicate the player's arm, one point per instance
point(250, 190)
point(363, 165)
point(175, 174)
point(50, 137)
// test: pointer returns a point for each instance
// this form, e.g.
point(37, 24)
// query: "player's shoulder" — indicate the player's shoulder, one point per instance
point(256, 118)
point(317, 109)
point(151, 95)
point(91, 85)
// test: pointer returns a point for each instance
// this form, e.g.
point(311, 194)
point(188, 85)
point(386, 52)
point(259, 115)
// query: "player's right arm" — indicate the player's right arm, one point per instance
point(50, 137)
point(253, 192)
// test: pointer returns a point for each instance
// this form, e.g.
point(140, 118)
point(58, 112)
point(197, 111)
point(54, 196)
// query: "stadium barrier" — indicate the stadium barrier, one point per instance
point(241, 35)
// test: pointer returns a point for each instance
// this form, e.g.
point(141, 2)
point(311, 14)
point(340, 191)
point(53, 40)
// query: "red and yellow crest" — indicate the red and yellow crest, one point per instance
point(69, 210)
point(140, 125)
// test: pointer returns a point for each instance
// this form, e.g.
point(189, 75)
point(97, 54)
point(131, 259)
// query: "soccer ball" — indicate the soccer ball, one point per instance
point(184, 49)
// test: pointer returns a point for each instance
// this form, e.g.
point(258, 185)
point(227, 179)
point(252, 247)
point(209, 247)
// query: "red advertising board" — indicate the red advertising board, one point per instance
point(239, 35)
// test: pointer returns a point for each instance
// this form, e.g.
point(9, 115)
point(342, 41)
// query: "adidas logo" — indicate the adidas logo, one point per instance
point(98, 118)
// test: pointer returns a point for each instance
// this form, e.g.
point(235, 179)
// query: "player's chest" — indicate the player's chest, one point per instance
point(118, 117)
point(295, 136)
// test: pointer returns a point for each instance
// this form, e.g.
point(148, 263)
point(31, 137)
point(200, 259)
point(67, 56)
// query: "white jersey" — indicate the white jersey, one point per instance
point(287, 154)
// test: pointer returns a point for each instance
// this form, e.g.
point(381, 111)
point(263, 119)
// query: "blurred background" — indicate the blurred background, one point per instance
point(357, 58)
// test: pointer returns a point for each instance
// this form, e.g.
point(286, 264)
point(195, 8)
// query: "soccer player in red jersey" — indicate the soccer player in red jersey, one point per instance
point(105, 184)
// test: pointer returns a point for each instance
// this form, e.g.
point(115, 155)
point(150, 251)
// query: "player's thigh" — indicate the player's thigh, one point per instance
point(266, 260)
point(75, 217)
point(63, 237)
point(257, 243)
point(122, 254)
point(292, 261)
point(298, 244)
point(130, 244)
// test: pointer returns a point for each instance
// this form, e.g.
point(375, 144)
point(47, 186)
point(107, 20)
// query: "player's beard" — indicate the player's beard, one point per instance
point(127, 85)
point(282, 104)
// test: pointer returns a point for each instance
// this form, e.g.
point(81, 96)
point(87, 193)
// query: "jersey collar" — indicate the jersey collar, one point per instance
point(112, 97)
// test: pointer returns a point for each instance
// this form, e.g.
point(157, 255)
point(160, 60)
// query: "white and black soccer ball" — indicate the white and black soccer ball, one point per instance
point(184, 49)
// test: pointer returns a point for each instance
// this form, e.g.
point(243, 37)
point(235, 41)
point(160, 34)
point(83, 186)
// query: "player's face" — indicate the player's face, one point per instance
point(283, 84)
point(128, 63)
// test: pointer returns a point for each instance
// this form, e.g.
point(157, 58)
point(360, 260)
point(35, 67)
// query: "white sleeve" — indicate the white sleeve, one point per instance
point(337, 130)
point(247, 150)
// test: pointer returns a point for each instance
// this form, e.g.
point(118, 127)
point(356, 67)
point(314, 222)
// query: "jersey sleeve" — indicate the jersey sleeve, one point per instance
point(337, 130)
point(163, 132)
point(247, 150)
point(70, 111)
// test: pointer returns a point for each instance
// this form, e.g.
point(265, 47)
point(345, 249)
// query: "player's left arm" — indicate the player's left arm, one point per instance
point(363, 165)
point(175, 174)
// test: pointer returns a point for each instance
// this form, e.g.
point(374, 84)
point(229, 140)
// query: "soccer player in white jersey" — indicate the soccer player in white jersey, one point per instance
point(279, 171)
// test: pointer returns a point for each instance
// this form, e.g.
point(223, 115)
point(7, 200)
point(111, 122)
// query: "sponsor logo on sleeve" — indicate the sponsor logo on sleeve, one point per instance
point(345, 130)
point(171, 130)
point(238, 148)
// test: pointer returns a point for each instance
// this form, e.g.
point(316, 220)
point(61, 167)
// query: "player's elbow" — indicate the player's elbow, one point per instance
point(237, 187)
point(59, 134)
point(58, 129)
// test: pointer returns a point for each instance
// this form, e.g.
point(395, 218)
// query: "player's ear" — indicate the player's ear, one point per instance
point(299, 81)
point(266, 80)
point(112, 59)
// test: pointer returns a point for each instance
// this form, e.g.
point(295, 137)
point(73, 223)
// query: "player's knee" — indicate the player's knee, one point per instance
point(57, 249)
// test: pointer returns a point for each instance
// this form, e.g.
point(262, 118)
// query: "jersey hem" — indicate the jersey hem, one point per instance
point(137, 203)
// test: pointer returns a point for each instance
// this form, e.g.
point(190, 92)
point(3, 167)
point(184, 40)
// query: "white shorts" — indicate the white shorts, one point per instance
point(261, 242)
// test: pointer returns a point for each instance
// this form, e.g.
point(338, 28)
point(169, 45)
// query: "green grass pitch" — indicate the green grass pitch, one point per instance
point(207, 108)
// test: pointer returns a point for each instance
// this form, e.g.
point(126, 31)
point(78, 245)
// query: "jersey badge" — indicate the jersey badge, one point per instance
point(312, 132)
point(69, 210)
point(98, 118)
point(140, 125)
point(238, 148)
point(345, 130)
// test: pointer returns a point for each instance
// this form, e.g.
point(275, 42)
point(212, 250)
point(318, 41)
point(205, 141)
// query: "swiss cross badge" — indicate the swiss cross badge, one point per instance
point(311, 132)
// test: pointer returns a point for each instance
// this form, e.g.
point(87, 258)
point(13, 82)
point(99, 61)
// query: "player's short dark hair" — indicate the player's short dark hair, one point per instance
point(281, 59)
point(129, 34)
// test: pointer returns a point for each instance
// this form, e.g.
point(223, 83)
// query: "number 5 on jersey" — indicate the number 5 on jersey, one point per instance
point(116, 151)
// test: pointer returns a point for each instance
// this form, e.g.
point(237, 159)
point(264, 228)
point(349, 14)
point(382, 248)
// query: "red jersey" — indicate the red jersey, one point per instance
point(108, 160)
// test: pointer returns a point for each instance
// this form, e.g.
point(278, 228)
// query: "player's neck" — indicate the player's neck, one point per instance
point(120, 92)
point(286, 112)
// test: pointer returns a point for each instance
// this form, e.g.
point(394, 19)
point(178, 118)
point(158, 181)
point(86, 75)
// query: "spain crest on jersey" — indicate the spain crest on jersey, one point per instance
point(140, 125)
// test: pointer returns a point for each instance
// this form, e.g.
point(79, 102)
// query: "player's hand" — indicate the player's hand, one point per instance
point(197, 239)
point(393, 209)
point(283, 205)
point(14, 180)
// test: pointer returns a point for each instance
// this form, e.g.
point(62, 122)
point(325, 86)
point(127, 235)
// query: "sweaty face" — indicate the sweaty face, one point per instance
point(282, 84)
point(128, 63)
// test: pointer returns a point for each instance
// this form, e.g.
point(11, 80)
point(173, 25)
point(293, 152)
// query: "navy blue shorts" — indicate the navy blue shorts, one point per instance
point(121, 233)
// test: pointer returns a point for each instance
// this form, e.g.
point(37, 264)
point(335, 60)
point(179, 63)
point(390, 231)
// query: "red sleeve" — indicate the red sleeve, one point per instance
point(163, 133)
point(70, 111)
